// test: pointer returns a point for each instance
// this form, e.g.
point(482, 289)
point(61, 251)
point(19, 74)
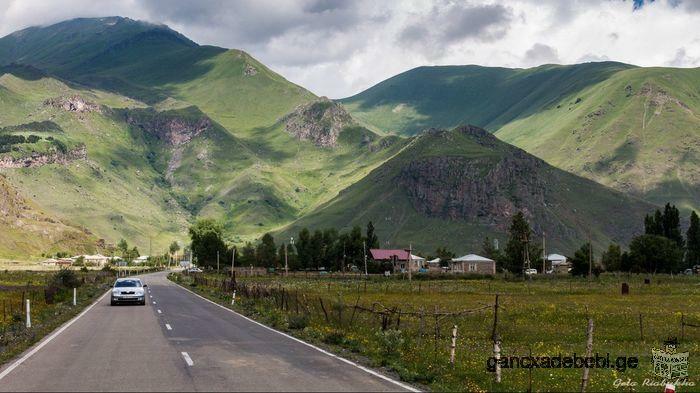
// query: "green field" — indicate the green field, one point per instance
point(545, 317)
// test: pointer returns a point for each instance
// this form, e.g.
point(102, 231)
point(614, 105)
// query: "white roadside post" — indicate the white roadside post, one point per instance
point(233, 299)
point(74, 296)
point(29, 316)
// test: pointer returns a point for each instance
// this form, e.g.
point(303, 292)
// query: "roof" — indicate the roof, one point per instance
point(472, 258)
point(436, 260)
point(556, 257)
point(383, 254)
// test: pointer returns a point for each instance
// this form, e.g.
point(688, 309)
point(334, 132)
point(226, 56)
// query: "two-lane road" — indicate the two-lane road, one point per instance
point(180, 342)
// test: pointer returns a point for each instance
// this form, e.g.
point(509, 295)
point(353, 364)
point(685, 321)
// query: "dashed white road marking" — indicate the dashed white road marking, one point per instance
point(160, 312)
point(363, 368)
point(188, 359)
point(167, 326)
point(154, 302)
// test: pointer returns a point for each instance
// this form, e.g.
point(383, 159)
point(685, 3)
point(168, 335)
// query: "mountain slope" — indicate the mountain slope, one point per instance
point(638, 132)
point(446, 96)
point(456, 187)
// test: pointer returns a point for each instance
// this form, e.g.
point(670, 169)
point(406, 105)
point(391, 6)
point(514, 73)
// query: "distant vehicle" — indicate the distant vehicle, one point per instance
point(688, 272)
point(194, 270)
point(530, 272)
point(128, 290)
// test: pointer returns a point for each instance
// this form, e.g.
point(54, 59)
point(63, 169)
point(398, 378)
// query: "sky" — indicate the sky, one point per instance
point(339, 48)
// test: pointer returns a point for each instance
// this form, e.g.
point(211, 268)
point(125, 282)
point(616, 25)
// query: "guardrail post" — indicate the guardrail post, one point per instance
point(75, 296)
point(29, 316)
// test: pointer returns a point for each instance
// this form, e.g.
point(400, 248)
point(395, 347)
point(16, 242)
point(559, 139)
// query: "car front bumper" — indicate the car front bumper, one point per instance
point(128, 299)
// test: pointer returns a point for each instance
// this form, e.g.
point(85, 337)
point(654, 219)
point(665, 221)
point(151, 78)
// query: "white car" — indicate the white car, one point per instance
point(194, 270)
point(128, 290)
point(530, 272)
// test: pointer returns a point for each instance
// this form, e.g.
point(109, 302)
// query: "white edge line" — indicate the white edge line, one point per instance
point(188, 359)
point(363, 368)
point(48, 339)
point(167, 326)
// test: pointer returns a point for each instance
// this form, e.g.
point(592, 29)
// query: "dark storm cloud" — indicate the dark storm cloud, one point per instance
point(451, 23)
point(541, 54)
point(257, 21)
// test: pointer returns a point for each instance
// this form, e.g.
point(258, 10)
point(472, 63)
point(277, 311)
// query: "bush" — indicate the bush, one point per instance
point(334, 337)
point(391, 343)
point(65, 279)
point(298, 322)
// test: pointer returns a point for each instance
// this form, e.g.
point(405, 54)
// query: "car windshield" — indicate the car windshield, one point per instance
point(127, 283)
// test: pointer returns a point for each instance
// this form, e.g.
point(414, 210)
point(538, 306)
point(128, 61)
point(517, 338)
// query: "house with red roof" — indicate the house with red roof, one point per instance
point(398, 258)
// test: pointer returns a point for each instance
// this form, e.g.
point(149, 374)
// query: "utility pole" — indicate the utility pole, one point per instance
point(544, 254)
point(410, 260)
point(364, 255)
point(217, 261)
point(590, 258)
point(150, 245)
point(233, 259)
point(286, 264)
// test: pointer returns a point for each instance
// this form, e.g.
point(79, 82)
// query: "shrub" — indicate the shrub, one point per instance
point(65, 279)
point(334, 337)
point(391, 342)
point(298, 322)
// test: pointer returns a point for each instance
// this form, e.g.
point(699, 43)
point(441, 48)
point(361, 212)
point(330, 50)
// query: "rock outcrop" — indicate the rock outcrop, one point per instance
point(319, 122)
point(41, 159)
point(172, 129)
point(73, 103)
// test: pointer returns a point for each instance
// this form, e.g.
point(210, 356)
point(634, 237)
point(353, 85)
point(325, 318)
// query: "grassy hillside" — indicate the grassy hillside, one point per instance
point(447, 96)
point(243, 167)
point(456, 187)
point(114, 192)
point(638, 132)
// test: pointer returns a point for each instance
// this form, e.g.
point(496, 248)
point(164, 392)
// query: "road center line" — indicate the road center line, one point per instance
point(160, 312)
point(167, 326)
point(154, 302)
point(188, 359)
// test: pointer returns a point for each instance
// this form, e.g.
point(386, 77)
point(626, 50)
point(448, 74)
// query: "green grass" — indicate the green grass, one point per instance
point(547, 316)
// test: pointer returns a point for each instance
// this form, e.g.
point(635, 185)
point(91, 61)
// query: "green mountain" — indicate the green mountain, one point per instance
point(206, 131)
point(456, 187)
point(113, 128)
point(634, 129)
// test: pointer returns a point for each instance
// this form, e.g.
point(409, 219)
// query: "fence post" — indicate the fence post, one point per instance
point(29, 316)
point(453, 346)
point(641, 327)
point(75, 293)
point(497, 356)
point(589, 349)
point(495, 319)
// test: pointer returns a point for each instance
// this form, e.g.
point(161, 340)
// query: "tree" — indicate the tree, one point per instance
point(174, 247)
point(519, 240)
point(653, 224)
point(581, 260)
point(123, 248)
point(303, 247)
point(316, 249)
point(445, 255)
point(247, 255)
point(692, 256)
point(612, 258)
point(672, 224)
point(372, 241)
point(207, 239)
point(654, 254)
point(266, 252)
point(353, 248)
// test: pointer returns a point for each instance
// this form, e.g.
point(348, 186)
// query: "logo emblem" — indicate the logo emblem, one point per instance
point(669, 363)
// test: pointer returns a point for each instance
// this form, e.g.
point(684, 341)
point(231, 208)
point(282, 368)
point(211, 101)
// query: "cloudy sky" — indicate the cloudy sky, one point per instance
point(338, 48)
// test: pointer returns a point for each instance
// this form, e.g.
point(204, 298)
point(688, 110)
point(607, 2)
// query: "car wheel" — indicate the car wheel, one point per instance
point(113, 303)
point(143, 303)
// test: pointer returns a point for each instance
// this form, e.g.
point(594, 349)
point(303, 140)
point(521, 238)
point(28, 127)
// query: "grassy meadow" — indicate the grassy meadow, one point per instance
point(391, 323)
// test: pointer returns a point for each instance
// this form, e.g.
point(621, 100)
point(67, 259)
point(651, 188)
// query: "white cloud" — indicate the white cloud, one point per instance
point(337, 48)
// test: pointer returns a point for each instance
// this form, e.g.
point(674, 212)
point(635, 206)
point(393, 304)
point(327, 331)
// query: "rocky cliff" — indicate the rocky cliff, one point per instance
point(41, 159)
point(319, 122)
point(169, 127)
point(73, 103)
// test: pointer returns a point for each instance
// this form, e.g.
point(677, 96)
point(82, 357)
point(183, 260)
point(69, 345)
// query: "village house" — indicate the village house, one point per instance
point(398, 258)
point(473, 263)
point(559, 263)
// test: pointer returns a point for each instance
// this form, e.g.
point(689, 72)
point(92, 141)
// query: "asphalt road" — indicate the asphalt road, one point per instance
point(179, 342)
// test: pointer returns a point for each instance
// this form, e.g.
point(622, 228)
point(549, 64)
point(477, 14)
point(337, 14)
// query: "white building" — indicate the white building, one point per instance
point(560, 264)
point(472, 263)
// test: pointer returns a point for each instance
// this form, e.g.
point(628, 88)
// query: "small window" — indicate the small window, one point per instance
point(472, 267)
